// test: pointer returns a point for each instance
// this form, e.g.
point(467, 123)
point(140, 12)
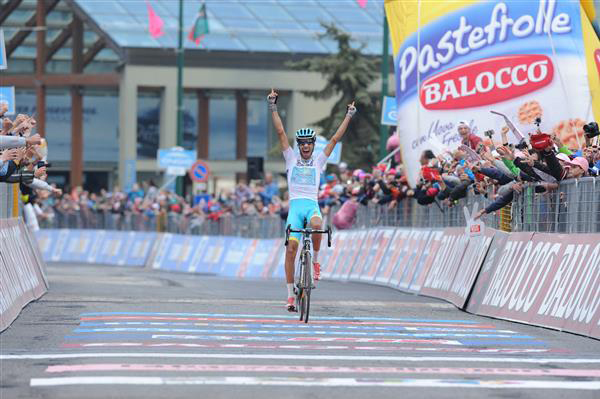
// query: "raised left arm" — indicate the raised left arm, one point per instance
point(341, 130)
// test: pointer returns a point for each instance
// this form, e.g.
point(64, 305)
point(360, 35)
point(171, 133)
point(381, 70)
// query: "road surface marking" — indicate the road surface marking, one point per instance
point(283, 332)
point(293, 321)
point(294, 326)
point(187, 345)
point(281, 368)
point(267, 316)
point(298, 357)
point(260, 338)
point(304, 382)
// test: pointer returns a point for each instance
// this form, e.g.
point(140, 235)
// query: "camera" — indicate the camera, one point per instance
point(591, 130)
point(522, 145)
point(489, 133)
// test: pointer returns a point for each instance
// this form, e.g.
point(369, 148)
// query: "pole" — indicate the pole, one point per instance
point(385, 68)
point(179, 184)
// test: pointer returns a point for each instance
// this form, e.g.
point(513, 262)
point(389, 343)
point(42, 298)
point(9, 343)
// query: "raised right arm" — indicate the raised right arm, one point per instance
point(277, 124)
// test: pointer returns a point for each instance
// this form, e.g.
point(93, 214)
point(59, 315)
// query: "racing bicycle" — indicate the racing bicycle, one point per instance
point(304, 277)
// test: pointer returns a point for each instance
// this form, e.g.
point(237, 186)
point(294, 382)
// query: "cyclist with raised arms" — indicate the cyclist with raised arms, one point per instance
point(303, 176)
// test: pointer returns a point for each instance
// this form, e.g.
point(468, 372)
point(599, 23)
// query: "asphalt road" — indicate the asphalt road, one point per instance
point(106, 332)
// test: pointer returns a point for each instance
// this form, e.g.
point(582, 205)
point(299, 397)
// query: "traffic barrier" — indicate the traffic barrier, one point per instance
point(22, 276)
point(119, 248)
point(549, 280)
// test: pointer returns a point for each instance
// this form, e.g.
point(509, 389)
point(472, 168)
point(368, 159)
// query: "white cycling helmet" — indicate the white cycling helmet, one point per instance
point(306, 133)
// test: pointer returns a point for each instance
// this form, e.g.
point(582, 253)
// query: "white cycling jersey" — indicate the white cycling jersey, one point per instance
point(303, 176)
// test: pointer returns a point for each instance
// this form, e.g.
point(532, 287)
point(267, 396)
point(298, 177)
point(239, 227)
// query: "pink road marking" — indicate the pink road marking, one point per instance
point(315, 347)
point(288, 321)
point(279, 368)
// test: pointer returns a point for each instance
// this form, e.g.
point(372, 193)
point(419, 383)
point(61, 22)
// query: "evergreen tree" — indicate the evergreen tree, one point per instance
point(349, 74)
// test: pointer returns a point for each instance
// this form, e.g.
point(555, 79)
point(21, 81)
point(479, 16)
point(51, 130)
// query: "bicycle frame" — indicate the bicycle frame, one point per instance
point(304, 278)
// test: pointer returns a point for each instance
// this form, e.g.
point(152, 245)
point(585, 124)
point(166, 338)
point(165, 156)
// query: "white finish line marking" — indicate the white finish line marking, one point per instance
point(330, 382)
point(280, 368)
point(314, 347)
point(303, 357)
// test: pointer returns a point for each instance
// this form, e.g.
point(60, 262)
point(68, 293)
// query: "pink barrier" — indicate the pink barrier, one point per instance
point(22, 277)
point(550, 280)
point(445, 264)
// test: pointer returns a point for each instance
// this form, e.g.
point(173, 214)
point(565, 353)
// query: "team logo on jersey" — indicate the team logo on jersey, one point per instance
point(304, 176)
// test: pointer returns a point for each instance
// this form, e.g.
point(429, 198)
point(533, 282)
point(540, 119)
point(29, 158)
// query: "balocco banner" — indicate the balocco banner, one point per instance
point(551, 280)
point(458, 60)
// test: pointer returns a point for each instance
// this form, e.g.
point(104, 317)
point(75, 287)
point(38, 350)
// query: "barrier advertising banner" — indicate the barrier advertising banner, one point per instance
point(411, 265)
point(359, 262)
point(392, 256)
point(446, 264)
point(428, 257)
point(459, 60)
point(376, 253)
point(551, 280)
point(22, 278)
point(469, 267)
point(331, 269)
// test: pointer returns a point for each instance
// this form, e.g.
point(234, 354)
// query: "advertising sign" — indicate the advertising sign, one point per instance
point(389, 114)
point(7, 96)
point(175, 157)
point(3, 62)
point(460, 60)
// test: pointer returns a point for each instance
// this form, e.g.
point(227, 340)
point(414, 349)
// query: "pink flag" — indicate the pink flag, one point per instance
point(362, 3)
point(155, 23)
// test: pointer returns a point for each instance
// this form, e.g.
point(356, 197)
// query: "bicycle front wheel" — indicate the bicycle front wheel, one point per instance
point(307, 277)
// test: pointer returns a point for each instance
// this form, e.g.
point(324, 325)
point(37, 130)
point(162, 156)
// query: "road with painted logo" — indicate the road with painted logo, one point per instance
point(108, 332)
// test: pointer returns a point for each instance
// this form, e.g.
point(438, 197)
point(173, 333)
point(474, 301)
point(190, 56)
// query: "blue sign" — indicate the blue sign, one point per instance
point(3, 62)
point(389, 111)
point(199, 172)
point(7, 95)
point(130, 174)
point(175, 157)
point(336, 154)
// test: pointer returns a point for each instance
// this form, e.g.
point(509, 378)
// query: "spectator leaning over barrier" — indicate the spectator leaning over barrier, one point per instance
point(467, 138)
point(303, 174)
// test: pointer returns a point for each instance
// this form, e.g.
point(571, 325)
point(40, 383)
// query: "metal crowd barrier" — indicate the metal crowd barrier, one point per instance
point(572, 208)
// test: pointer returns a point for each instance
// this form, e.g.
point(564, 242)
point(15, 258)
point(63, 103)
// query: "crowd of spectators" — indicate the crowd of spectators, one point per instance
point(498, 170)
point(491, 167)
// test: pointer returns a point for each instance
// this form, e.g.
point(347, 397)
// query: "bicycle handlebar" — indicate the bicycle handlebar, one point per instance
point(289, 230)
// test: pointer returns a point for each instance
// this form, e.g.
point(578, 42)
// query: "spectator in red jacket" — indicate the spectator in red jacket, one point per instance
point(469, 139)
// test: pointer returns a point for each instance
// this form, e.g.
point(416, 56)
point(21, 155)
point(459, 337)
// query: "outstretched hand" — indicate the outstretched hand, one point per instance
point(272, 100)
point(350, 110)
point(272, 97)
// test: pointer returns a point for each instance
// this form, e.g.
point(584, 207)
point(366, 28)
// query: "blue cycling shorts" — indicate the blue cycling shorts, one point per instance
point(300, 209)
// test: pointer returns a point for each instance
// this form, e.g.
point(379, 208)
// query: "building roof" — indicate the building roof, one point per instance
point(277, 26)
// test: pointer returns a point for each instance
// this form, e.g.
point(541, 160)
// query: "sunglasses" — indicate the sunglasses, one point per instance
point(304, 142)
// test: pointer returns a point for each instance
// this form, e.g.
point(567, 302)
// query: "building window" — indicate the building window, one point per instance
point(100, 126)
point(148, 123)
point(258, 131)
point(190, 120)
point(222, 134)
point(58, 120)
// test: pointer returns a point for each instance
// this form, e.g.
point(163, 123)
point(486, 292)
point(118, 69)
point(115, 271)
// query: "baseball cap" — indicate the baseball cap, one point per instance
point(563, 157)
point(582, 163)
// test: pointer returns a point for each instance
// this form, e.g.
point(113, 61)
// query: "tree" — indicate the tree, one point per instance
point(349, 74)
